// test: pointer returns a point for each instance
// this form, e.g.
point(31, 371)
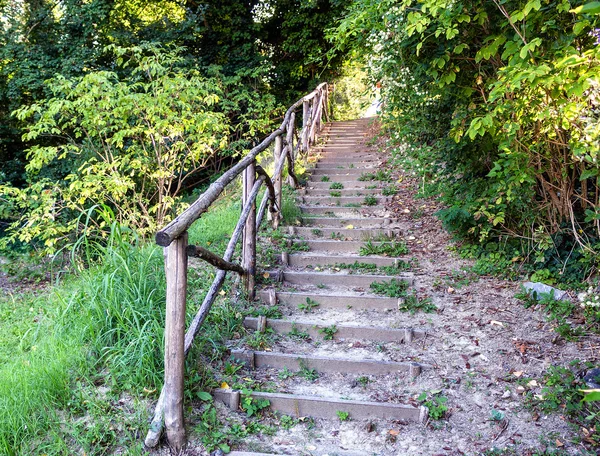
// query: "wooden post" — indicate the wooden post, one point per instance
point(249, 239)
point(176, 273)
point(305, 125)
point(290, 141)
point(277, 180)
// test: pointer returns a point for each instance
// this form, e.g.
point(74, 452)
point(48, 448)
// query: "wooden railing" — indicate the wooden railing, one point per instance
point(174, 238)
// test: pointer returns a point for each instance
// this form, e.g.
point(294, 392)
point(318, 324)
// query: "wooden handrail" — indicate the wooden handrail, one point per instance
point(184, 220)
point(169, 408)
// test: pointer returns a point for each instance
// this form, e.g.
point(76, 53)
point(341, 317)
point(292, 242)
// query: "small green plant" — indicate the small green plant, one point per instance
point(307, 373)
point(363, 381)
point(389, 190)
point(337, 236)
point(371, 187)
point(298, 246)
point(413, 304)
point(297, 334)
point(285, 373)
point(325, 179)
point(370, 201)
point(287, 422)
point(336, 186)
point(393, 248)
point(321, 286)
point(261, 340)
point(253, 406)
point(379, 175)
point(435, 402)
point(328, 332)
point(496, 415)
point(394, 288)
point(316, 232)
point(308, 306)
point(335, 194)
point(343, 416)
point(352, 205)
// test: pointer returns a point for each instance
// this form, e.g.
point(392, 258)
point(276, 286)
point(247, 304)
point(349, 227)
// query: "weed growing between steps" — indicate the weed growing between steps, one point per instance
point(394, 288)
point(379, 175)
point(392, 249)
point(336, 186)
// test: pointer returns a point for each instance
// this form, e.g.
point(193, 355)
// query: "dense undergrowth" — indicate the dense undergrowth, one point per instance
point(494, 106)
point(79, 361)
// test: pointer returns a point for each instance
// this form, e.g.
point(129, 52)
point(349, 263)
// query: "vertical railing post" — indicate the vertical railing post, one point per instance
point(176, 275)
point(249, 238)
point(290, 144)
point(277, 180)
point(313, 110)
point(305, 125)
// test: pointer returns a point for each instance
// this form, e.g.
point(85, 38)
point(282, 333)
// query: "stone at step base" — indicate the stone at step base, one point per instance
point(299, 406)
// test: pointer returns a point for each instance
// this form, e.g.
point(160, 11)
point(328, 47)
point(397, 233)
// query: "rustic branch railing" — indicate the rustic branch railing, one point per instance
point(169, 408)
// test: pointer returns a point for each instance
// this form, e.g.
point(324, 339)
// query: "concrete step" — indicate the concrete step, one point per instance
point(326, 364)
point(333, 246)
point(339, 200)
point(363, 234)
point(355, 301)
point(339, 280)
point(327, 408)
point(328, 161)
point(339, 211)
point(349, 165)
point(350, 178)
point(342, 222)
point(301, 260)
point(339, 170)
point(369, 333)
point(325, 192)
point(358, 185)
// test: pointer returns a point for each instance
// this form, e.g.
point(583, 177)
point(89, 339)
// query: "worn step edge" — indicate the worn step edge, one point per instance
point(334, 170)
point(314, 178)
point(318, 210)
point(364, 222)
point(301, 260)
point(326, 364)
point(344, 192)
point(299, 406)
point(358, 233)
point(334, 246)
point(341, 279)
point(358, 185)
point(332, 301)
point(340, 201)
point(400, 335)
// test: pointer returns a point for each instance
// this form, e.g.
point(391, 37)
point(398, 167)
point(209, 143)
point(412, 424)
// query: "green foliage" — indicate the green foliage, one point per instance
point(436, 402)
point(413, 304)
point(343, 416)
point(336, 186)
point(307, 373)
point(370, 201)
point(393, 248)
point(325, 179)
point(253, 406)
point(308, 306)
point(394, 288)
point(328, 332)
point(495, 108)
point(335, 194)
point(379, 175)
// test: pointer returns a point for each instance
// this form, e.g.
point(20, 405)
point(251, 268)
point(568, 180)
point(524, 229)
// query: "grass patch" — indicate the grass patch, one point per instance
point(394, 288)
point(335, 194)
point(393, 249)
point(370, 201)
point(379, 175)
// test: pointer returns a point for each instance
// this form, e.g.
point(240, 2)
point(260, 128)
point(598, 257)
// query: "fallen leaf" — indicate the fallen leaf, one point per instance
point(350, 227)
point(225, 386)
point(266, 275)
point(532, 383)
point(394, 432)
point(497, 323)
point(222, 292)
point(559, 443)
point(311, 448)
point(518, 373)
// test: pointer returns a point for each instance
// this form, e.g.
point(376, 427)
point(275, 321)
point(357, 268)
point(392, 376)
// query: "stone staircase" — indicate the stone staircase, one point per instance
point(346, 352)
